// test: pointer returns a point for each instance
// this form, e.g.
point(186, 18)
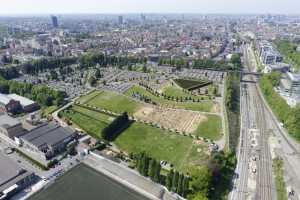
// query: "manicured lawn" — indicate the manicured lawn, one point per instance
point(114, 102)
point(178, 150)
point(90, 121)
point(89, 96)
point(204, 106)
point(93, 114)
point(211, 128)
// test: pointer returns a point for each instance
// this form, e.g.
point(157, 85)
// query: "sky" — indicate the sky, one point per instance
point(148, 6)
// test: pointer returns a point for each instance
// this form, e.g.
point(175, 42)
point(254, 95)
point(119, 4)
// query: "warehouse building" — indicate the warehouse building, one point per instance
point(8, 105)
point(14, 103)
point(13, 178)
point(47, 140)
point(27, 104)
point(10, 127)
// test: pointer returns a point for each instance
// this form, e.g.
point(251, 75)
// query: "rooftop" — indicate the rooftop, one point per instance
point(9, 170)
point(293, 77)
point(4, 99)
point(23, 101)
point(7, 121)
point(47, 134)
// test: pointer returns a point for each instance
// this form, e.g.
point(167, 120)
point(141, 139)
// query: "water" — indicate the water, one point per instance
point(85, 183)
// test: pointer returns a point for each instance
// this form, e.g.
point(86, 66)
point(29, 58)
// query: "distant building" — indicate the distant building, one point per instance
point(54, 21)
point(14, 103)
point(47, 140)
point(10, 127)
point(8, 105)
point(279, 67)
point(290, 85)
point(27, 104)
point(120, 20)
point(268, 54)
point(13, 178)
point(271, 57)
point(143, 18)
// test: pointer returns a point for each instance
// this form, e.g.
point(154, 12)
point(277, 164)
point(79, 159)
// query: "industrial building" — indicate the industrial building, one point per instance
point(13, 178)
point(47, 140)
point(13, 103)
point(26, 104)
point(10, 127)
point(8, 105)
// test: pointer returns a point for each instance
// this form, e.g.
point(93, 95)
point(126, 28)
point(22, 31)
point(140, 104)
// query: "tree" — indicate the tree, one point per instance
point(201, 180)
point(169, 179)
point(180, 184)
point(175, 181)
point(157, 172)
point(98, 74)
point(152, 169)
point(145, 69)
point(199, 196)
point(92, 81)
point(186, 186)
point(146, 165)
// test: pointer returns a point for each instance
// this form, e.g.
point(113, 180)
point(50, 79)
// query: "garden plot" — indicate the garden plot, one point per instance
point(177, 120)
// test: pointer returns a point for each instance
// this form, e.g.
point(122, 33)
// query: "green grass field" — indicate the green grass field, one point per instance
point(88, 97)
point(114, 102)
point(204, 106)
point(90, 121)
point(178, 92)
point(162, 145)
point(178, 150)
point(211, 128)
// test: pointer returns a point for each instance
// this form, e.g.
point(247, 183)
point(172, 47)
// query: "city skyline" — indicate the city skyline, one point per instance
point(147, 6)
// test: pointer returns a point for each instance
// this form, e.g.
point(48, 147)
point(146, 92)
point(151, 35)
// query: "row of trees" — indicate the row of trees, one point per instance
point(9, 72)
point(44, 95)
point(91, 60)
point(37, 66)
point(213, 181)
point(232, 102)
point(233, 64)
point(178, 182)
point(149, 167)
point(290, 117)
point(110, 132)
